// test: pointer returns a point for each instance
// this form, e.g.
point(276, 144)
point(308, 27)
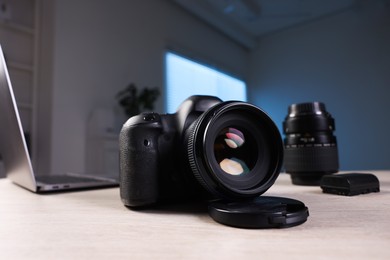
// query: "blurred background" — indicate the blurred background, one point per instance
point(69, 59)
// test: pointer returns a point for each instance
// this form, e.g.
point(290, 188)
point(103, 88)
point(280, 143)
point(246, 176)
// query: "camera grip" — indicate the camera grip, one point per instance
point(138, 155)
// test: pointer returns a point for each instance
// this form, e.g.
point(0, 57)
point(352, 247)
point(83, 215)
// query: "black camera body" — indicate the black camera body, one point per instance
point(207, 149)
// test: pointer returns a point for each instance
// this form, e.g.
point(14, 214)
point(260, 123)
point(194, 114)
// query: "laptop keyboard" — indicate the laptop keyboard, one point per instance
point(61, 179)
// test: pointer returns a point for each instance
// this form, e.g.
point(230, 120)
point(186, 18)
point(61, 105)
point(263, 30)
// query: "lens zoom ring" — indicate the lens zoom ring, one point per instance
point(311, 159)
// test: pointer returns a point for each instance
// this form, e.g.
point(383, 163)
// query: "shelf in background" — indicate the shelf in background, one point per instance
point(20, 66)
point(22, 105)
point(17, 27)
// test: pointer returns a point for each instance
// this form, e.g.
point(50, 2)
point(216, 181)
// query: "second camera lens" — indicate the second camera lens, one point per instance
point(310, 146)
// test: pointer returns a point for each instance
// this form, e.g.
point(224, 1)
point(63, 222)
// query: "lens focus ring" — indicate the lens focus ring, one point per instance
point(311, 159)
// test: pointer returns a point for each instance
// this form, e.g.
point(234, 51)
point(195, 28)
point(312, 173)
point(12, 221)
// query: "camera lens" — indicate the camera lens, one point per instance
point(310, 146)
point(235, 150)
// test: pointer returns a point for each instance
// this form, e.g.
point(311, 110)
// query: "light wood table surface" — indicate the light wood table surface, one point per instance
point(95, 225)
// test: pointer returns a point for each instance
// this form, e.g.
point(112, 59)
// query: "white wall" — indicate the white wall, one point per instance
point(343, 61)
point(100, 46)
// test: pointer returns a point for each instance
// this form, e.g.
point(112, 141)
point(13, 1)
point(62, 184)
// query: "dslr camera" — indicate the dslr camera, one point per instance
point(207, 149)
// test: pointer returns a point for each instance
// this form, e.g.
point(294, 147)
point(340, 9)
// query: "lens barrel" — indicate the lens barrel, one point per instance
point(234, 150)
point(310, 146)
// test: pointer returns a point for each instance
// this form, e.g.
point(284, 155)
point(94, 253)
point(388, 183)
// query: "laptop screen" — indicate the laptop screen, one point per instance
point(13, 147)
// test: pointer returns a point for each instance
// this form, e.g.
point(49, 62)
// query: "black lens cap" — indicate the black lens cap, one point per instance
point(261, 212)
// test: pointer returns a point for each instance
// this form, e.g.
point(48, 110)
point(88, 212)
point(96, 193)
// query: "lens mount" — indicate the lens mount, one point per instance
point(235, 150)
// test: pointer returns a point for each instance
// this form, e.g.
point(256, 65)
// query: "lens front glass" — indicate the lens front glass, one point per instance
point(235, 151)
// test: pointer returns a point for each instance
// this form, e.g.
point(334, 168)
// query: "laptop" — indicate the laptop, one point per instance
point(15, 155)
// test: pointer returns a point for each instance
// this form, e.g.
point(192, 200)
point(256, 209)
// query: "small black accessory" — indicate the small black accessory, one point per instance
point(261, 212)
point(350, 184)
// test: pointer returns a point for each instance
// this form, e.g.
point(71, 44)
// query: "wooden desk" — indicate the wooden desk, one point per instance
point(94, 224)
